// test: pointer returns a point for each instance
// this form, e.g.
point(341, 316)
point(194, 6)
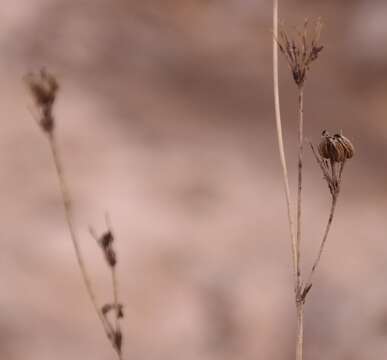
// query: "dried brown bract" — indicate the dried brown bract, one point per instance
point(106, 243)
point(301, 50)
point(43, 87)
point(108, 307)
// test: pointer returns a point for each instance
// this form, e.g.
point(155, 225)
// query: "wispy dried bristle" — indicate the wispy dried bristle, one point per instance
point(301, 50)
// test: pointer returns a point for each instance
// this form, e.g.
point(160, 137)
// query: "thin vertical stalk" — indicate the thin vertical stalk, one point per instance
point(73, 235)
point(295, 242)
point(299, 192)
point(300, 330)
point(281, 142)
point(115, 298)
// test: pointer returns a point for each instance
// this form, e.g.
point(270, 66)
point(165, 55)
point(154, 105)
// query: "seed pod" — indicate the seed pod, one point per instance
point(346, 144)
point(336, 148)
point(340, 154)
point(328, 148)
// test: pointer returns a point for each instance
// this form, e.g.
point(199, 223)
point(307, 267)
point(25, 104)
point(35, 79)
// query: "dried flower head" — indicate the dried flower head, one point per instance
point(301, 50)
point(336, 148)
point(43, 87)
point(333, 152)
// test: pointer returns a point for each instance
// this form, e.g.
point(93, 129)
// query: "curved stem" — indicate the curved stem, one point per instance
point(281, 142)
point(324, 239)
point(73, 235)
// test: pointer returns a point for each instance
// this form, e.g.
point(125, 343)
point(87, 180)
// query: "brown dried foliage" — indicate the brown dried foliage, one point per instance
point(43, 87)
point(301, 50)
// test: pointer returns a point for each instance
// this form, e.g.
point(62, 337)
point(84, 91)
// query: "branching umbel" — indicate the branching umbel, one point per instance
point(300, 50)
point(334, 151)
point(44, 87)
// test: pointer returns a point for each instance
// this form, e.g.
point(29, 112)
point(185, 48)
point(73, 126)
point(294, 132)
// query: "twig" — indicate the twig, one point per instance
point(299, 193)
point(324, 239)
point(44, 87)
point(70, 223)
point(294, 241)
point(281, 142)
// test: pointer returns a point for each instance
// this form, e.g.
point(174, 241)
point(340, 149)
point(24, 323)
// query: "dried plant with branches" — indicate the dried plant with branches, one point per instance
point(300, 51)
point(44, 87)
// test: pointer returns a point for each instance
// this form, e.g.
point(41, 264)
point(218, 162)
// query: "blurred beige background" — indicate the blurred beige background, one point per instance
point(165, 119)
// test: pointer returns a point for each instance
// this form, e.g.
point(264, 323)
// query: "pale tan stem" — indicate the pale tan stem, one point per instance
point(281, 142)
point(299, 193)
point(300, 331)
point(324, 239)
point(73, 235)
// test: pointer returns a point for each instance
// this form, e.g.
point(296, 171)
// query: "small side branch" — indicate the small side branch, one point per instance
point(323, 242)
point(70, 224)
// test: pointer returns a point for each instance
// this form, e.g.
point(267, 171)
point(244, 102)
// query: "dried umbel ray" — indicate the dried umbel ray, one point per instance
point(301, 49)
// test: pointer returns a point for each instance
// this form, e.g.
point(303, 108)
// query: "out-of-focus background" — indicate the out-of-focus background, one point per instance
point(165, 119)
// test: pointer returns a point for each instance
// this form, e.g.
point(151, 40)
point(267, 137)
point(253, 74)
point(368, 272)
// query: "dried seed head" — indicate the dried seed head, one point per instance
point(301, 50)
point(349, 149)
point(43, 87)
point(106, 239)
point(106, 243)
point(336, 148)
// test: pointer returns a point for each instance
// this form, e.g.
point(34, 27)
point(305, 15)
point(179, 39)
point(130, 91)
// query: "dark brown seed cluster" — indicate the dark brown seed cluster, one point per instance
point(333, 152)
point(336, 148)
point(114, 332)
point(106, 243)
point(301, 50)
point(43, 87)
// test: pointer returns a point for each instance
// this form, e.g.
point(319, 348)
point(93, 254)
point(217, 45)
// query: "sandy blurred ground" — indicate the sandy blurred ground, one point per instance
point(165, 119)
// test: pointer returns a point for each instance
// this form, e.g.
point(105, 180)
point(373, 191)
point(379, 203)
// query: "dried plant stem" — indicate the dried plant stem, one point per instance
point(70, 223)
point(324, 239)
point(117, 310)
point(300, 301)
point(299, 193)
point(300, 330)
point(295, 240)
point(115, 297)
point(281, 142)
